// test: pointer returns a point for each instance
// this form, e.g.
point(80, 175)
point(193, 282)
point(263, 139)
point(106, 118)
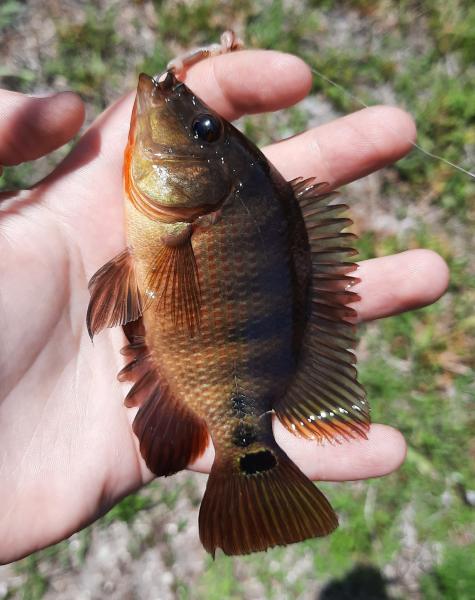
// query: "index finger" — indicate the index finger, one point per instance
point(250, 81)
point(347, 148)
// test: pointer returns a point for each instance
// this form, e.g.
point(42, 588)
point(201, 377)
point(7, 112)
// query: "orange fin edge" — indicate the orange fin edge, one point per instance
point(171, 435)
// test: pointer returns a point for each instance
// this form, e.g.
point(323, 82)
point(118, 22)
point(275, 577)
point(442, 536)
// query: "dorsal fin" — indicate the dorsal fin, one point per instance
point(324, 399)
point(115, 295)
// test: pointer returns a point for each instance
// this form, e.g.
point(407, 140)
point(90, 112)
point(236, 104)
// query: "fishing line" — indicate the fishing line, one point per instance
point(413, 144)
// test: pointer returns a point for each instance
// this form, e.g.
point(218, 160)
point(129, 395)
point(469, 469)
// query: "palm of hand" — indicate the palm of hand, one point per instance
point(62, 424)
point(67, 450)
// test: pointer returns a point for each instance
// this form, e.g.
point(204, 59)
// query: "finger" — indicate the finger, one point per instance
point(32, 127)
point(348, 148)
point(394, 284)
point(245, 81)
point(250, 81)
point(383, 452)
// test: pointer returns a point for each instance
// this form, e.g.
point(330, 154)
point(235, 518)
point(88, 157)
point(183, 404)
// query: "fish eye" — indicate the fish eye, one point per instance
point(207, 128)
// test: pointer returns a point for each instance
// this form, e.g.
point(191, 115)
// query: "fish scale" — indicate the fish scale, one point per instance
point(202, 377)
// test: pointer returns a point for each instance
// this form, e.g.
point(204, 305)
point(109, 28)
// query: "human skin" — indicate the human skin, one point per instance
point(67, 451)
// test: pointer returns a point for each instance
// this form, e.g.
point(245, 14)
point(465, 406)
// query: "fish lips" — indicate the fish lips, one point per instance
point(156, 89)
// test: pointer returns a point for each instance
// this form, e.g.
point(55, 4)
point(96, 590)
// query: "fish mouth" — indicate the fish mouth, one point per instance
point(166, 82)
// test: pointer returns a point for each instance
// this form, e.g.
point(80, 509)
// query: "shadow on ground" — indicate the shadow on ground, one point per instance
point(362, 583)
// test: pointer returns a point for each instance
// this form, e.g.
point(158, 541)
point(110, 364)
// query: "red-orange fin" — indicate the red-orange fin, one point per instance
point(115, 295)
point(170, 434)
point(260, 501)
point(325, 400)
point(174, 280)
point(140, 369)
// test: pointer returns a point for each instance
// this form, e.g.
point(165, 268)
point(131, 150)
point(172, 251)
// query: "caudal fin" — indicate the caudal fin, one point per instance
point(261, 502)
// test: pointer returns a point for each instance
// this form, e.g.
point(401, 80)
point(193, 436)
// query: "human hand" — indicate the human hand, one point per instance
point(67, 451)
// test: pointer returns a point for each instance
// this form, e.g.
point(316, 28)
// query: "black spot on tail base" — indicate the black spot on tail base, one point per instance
point(257, 462)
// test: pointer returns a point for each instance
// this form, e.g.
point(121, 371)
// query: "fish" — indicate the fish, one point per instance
point(234, 293)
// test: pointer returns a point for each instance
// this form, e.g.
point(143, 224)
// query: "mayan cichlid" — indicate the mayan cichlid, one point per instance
point(233, 291)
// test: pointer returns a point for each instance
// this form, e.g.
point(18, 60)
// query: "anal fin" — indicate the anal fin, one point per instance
point(170, 434)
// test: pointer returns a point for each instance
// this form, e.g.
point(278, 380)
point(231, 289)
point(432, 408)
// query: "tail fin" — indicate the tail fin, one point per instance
point(260, 501)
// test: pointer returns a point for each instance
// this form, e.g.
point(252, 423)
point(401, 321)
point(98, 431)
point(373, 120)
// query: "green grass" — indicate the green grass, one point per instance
point(97, 42)
point(419, 367)
point(454, 579)
point(128, 509)
point(10, 10)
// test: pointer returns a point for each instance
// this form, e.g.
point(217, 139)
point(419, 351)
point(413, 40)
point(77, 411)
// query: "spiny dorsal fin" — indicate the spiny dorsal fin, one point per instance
point(115, 296)
point(173, 279)
point(325, 400)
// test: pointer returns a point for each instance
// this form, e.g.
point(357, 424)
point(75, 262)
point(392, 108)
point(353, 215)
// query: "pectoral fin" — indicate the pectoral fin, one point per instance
point(174, 280)
point(325, 399)
point(115, 295)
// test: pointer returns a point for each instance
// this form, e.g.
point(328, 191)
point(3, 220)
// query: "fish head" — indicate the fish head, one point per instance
point(178, 156)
